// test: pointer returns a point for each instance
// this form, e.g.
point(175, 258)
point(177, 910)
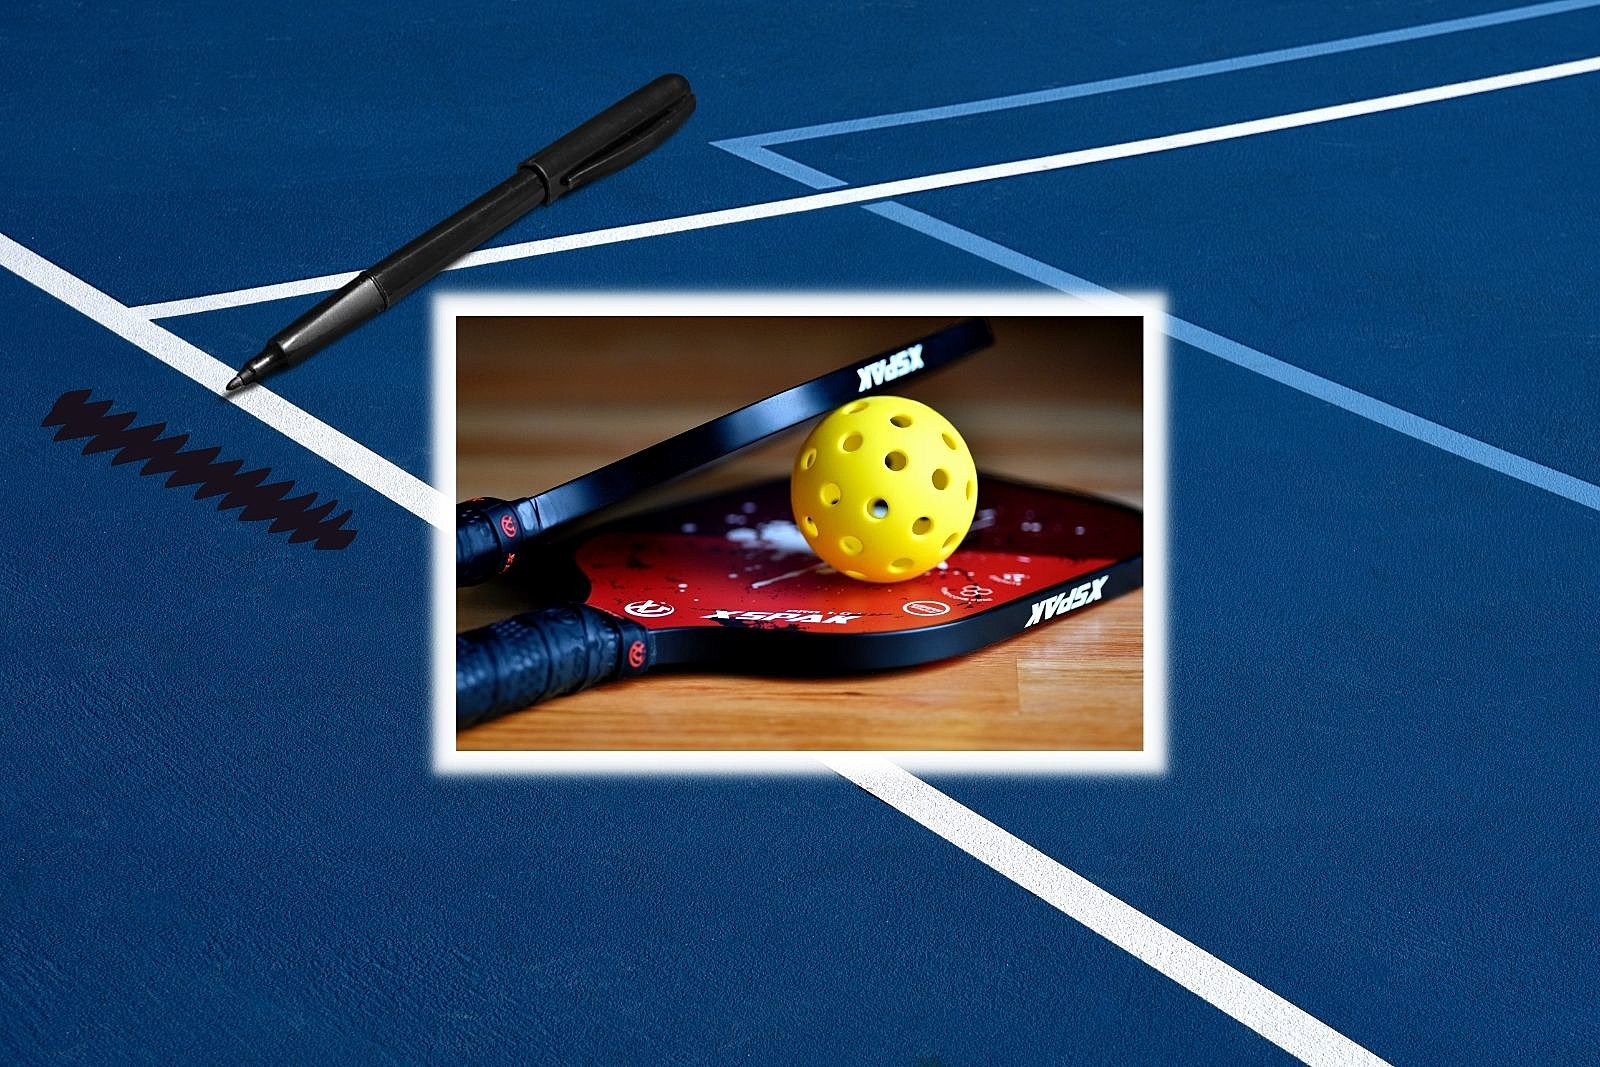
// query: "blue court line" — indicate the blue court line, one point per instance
point(751, 146)
point(766, 157)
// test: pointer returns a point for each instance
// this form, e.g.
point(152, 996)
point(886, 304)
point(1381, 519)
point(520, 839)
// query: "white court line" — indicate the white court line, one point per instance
point(1238, 995)
point(906, 186)
point(355, 459)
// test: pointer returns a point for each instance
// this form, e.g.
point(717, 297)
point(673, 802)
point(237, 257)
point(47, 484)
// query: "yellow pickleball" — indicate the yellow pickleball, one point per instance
point(884, 489)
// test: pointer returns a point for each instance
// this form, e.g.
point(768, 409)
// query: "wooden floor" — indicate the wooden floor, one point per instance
point(1056, 401)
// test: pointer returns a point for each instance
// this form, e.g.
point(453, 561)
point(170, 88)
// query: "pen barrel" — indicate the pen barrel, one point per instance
point(521, 661)
point(420, 259)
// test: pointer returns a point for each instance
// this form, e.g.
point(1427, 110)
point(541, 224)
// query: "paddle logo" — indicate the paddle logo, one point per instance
point(889, 368)
point(1071, 600)
point(648, 609)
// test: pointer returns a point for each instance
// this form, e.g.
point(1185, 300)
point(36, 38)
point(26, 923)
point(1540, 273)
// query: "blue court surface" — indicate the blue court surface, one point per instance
point(1376, 227)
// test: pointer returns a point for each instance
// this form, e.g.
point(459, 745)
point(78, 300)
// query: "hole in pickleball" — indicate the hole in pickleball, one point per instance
point(878, 509)
point(808, 459)
point(851, 442)
point(972, 488)
point(857, 575)
point(922, 526)
point(950, 442)
point(830, 494)
point(850, 546)
point(856, 408)
point(901, 565)
point(810, 524)
point(895, 461)
point(901, 420)
point(941, 479)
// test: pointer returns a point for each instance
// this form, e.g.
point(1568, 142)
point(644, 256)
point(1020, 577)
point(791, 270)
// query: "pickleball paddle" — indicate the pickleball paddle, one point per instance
point(491, 532)
point(727, 583)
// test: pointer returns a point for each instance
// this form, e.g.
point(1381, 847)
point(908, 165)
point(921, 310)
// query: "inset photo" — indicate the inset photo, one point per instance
point(728, 528)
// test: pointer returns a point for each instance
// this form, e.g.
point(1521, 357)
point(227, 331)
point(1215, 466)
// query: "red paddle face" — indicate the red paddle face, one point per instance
point(738, 560)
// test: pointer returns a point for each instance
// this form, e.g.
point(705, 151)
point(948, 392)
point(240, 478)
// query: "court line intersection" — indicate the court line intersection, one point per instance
point(752, 146)
point(300, 426)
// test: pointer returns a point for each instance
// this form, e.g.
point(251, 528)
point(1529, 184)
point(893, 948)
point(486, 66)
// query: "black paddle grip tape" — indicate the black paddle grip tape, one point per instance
point(521, 661)
point(487, 537)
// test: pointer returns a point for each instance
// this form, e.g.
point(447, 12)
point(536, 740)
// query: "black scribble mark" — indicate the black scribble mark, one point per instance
point(78, 417)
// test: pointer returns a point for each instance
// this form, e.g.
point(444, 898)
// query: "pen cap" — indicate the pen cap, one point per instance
point(622, 133)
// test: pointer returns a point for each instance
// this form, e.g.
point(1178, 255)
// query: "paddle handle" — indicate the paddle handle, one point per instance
point(521, 661)
point(488, 534)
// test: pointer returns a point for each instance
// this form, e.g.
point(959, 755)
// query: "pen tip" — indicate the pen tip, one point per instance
point(244, 377)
